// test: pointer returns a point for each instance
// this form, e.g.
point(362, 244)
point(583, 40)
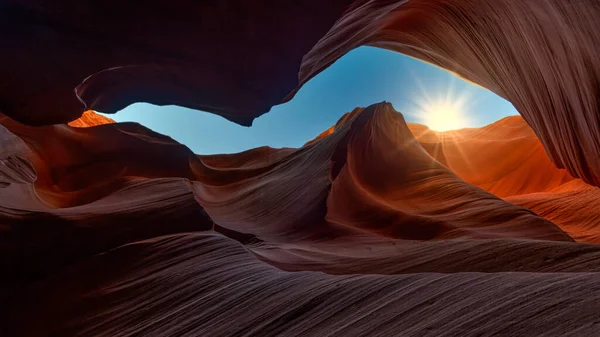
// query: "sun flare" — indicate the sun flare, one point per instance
point(444, 116)
point(442, 105)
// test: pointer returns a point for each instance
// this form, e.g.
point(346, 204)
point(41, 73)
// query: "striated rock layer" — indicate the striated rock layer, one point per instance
point(238, 59)
point(205, 284)
point(506, 158)
point(360, 231)
point(232, 58)
point(539, 55)
point(373, 228)
point(573, 206)
point(90, 118)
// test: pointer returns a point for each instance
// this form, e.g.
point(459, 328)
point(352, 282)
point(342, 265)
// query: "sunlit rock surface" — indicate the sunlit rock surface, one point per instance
point(540, 55)
point(285, 241)
point(90, 118)
point(232, 58)
point(374, 228)
point(505, 157)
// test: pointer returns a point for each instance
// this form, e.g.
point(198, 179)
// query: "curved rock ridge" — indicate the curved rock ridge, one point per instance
point(373, 228)
point(419, 197)
point(237, 189)
point(110, 230)
point(504, 158)
point(199, 284)
point(14, 167)
point(232, 58)
point(83, 191)
point(276, 195)
point(90, 118)
point(541, 56)
point(237, 59)
point(573, 208)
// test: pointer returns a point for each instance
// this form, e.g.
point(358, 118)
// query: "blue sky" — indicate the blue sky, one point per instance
point(364, 76)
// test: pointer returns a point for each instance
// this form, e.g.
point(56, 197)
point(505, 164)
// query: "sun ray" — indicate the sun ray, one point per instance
point(443, 107)
point(444, 116)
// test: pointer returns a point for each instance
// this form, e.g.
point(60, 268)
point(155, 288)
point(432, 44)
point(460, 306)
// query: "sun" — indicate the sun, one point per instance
point(444, 116)
point(442, 105)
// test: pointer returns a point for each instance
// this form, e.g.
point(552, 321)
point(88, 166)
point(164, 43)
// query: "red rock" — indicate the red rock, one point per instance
point(203, 284)
point(369, 229)
point(69, 193)
point(232, 58)
point(237, 59)
point(541, 56)
point(90, 118)
point(87, 243)
point(505, 157)
point(575, 210)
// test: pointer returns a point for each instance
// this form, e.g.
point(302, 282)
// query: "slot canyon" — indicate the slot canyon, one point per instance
point(378, 226)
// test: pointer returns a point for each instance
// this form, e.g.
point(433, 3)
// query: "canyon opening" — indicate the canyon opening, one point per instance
point(300, 168)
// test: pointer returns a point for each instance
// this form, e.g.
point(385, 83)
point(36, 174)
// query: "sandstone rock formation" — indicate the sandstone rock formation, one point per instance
point(506, 159)
point(541, 56)
point(373, 228)
point(233, 58)
point(361, 217)
point(90, 118)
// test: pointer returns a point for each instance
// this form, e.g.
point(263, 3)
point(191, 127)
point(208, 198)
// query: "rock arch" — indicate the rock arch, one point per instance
point(232, 59)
